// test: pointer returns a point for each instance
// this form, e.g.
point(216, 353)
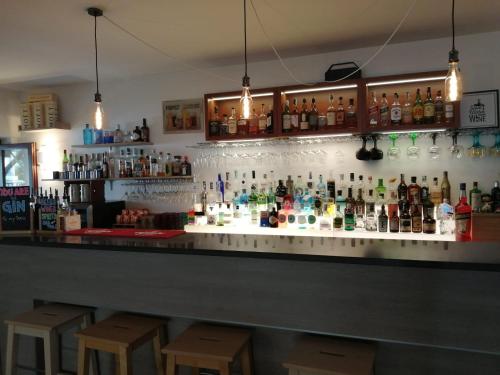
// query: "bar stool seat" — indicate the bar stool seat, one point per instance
point(210, 347)
point(315, 355)
point(45, 322)
point(121, 334)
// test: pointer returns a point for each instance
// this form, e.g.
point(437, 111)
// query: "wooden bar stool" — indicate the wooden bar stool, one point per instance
point(210, 347)
point(121, 334)
point(315, 355)
point(45, 322)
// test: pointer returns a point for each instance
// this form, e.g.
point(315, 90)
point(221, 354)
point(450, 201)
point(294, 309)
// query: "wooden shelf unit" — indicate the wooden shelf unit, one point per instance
point(84, 180)
point(59, 126)
point(358, 89)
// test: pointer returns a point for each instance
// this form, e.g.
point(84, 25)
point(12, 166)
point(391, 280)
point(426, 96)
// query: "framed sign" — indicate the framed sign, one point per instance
point(15, 209)
point(182, 116)
point(479, 109)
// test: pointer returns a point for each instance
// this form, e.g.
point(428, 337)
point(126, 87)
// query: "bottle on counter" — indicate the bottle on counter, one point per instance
point(475, 198)
point(445, 187)
point(463, 217)
point(87, 135)
point(416, 219)
point(495, 197)
point(145, 131)
point(118, 135)
point(382, 220)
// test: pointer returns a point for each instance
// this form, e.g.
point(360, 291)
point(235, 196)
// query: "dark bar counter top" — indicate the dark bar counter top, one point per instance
point(481, 256)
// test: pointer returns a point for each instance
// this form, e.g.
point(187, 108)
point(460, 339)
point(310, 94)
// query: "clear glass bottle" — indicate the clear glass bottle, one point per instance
point(330, 113)
point(351, 113)
point(360, 210)
point(118, 135)
point(435, 192)
point(313, 116)
point(407, 115)
point(294, 119)
point(253, 127)
point(385, 116)
point(232, 123)
point(374, 111)
point(304, 116)
point(396, 110)
point(340, 114)
point(371, 217)
point(429, 108)
point(262, 120)
point(286, 118)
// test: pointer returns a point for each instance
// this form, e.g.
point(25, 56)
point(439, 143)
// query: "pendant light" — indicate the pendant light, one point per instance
point(453, 81)
point(99, 114)
point(246, 98)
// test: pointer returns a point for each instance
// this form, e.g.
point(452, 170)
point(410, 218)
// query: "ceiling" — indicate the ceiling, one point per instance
point(50, 42)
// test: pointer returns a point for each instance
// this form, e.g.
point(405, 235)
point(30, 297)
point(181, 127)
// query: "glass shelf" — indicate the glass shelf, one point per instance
point(105, 145)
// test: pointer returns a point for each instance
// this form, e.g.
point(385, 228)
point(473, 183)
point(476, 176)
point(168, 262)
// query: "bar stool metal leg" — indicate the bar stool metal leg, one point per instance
point(10, 361)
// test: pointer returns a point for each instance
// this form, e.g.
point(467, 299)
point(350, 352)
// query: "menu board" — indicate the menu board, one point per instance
point(48, 214)
point(15, 208)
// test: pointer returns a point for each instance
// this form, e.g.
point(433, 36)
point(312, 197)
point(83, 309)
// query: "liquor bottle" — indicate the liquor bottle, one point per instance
point(145, 131)
point(105, 167)
point(224, 126)
point(418, 109)
point(294, 119)
point(118, 135)
point(338, 221)
point(153, 163)
point(299, 189)
point(273, 218)
point(350, 115)
point(283, 215)
point(253, 123)
point(445, 187)
point(429, 108)
point(65, 164)
point(340, 202)
point(304, 116)
point(396, 110)
point(360, 209)
point(380, 189)
point(384, 111)
point(382, 220)
point(349, 218)
point(439, 108)
point(330, 113)
point(424, 190)
point(321, 188)
point(330, 186)
point(185, 167)
point(231, 123)
point(475, 198)
point(286, 118)
point(280, 194)
point(262, 199)
point(405, 219)
point(137, 134)
point(111, 164)
point(414, 192)
point(351, 180)
point(371, 218)
point(429, 223)
point(463, 217)
point(313, 116)
point(435, 192)
point(318, 204)
point(361, 183)
point(448, 112)
point(402, 188)
point(290, 190)
point(340, 114)
point(168, 165)
point(373, 112)
point(416, 219)
point(262, 120)
point(270, 121)
point(214, 124)
point(495, 196)
point(407, 114)
point(394, 222)
point(242, 125)
point(88, 138)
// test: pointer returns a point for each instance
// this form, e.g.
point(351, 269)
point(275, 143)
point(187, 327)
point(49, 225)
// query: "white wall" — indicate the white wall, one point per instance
point(127, 101)
point(9, 113)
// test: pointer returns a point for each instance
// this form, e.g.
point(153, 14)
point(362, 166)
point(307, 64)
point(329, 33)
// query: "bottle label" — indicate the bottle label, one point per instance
point(373, 115)
point(291, 219)
point(269, 121)
point(418, 112)
point(462, 223)
point(273, 220)
point(262, 124)
point(429, 227)
point(406, 115)
point(232, 126)
point(304, 125)
point(295, 121)
point(448, 110)
point(405, 225)
point(416, 224)
point(429, 110)
point(396, 114)
point(330, 118)
point(282, 218)
point(476, 202)
point(286, 122)
point(340, 117)
point(311, 219)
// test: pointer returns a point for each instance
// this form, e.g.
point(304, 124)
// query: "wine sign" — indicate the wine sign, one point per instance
point(15, 208)
point(48, 215)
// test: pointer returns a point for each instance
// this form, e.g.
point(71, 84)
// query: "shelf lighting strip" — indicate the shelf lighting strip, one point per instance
point(239, 96)
point(413, 131)
point(328, 88)
point(411, 80)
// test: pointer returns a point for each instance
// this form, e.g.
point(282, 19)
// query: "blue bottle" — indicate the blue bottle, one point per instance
point(87, 135)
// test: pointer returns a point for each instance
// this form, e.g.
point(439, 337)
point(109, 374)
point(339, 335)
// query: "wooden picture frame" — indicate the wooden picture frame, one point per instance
point(479, 110)
point(182, 116)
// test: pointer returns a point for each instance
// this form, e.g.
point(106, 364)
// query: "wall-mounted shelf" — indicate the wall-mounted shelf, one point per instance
point(83, 180)
point(358, 89)
point(105, 145)
point(59, 125)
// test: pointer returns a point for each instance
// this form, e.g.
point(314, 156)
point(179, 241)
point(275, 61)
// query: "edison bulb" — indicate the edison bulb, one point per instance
point(453, 83)
point(99, 114)
point(246, 102)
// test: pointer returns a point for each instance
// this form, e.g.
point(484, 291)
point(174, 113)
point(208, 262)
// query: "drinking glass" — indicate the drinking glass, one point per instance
point(477, 150)
point(495, 149)
point(393, 152)
point(363, 153)
point(413, 151)
point(456, 150)
point(434, 150)
point(375, 152)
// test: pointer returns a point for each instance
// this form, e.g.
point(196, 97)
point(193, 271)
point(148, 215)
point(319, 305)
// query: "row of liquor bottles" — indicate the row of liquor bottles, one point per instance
point(428, 111)
point(99, 136)
point(302, 205)
point(129, 163)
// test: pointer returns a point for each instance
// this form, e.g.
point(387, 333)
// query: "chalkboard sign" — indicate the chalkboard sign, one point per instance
point(15, 208)
point(48, 214)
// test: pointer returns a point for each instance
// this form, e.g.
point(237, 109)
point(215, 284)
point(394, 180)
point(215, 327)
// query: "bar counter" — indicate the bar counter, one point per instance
point(432, 303)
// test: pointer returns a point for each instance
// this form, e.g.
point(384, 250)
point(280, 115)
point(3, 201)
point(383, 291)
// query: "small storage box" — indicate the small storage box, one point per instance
point(347, 70)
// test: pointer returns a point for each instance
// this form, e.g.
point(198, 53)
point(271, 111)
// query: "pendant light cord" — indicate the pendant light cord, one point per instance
point(95, 47)
point(453, 23)
point(245, 33)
